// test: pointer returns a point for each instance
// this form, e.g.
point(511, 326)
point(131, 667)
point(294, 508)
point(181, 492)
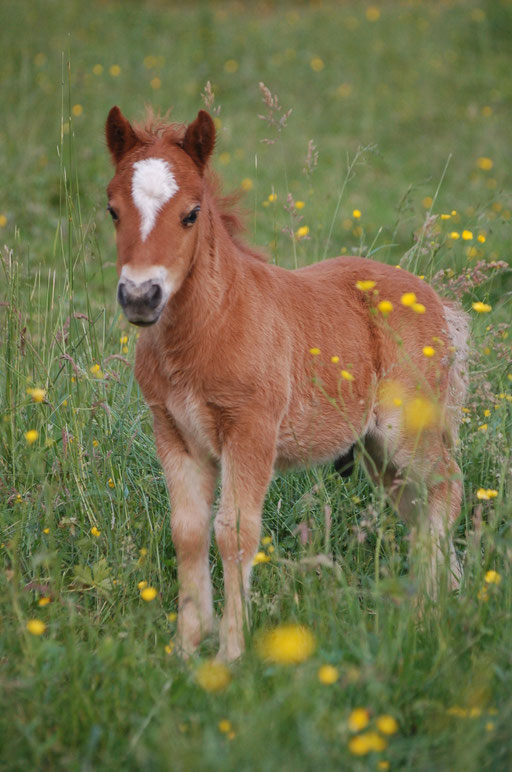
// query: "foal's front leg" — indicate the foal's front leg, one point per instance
point(191, 484)
point(247, 465)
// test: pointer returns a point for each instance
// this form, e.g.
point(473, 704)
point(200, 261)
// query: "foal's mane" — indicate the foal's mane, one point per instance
point(156, 126)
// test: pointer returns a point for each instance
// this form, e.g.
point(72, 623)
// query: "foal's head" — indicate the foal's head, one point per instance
point(155, 201)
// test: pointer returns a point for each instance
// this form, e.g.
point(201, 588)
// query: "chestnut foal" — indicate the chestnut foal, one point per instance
point(248, 367)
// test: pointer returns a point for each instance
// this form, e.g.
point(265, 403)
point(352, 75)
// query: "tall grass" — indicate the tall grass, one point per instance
point(84, 511)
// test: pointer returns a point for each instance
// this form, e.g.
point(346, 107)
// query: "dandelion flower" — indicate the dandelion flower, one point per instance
point(300, 205)
point(492, 577)
point(314, 351)
point(272, 197)
point(481, 238)
point(385, 307)
point(266, 540)
point(141, 585)
point(302, 232)
point(445, 216)
point(328, 674)
point(485, 164)
point(346, 375)
point(485, 494)
point(358, 719)
point(95, 532)
point(428, 351)
point(148, 594)
point(36, 626)
point(418, 308)
point(420, 414)
point(44, 601)
point(111, 483)
point(364, 285)
point(31, 436)
point(387, 724)
point(260, 557)
point(335, 360)
point(467, 235)
point(287, 644)
point(455, 235)
point(483, 428)
point(213, 676)
point(317, 64)
point(408, 299)
point(37, 395)
point(356, 214)
point(481, 308)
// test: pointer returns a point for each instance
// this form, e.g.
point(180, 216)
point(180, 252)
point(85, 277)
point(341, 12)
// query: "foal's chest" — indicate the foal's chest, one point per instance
point(193, 419)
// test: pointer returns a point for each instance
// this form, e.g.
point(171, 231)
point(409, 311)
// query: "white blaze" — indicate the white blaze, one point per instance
point(153, 184)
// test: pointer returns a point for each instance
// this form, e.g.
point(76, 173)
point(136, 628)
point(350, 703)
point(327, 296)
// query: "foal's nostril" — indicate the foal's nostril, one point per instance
point(155, 296)
point(121, 295)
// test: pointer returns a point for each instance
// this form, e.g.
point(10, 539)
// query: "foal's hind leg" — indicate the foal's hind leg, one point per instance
point(424, 484)
point(191, 484)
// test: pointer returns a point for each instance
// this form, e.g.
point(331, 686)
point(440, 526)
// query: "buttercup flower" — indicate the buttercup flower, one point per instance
point(213, 676)
point(328, 674)
point(287, 644)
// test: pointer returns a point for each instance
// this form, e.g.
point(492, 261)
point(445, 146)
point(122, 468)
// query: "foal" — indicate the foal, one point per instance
point(248, 367)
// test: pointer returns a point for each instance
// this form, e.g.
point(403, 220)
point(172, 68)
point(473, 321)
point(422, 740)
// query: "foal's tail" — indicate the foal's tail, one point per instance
point(457, 323)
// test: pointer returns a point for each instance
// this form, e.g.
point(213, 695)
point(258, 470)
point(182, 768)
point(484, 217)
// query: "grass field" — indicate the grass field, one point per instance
point(409, 107)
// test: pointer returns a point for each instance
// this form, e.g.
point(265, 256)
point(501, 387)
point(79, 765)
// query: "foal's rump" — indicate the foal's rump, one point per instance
point(394, 368)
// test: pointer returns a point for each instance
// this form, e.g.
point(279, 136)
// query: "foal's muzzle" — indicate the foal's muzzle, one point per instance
point(141, 302)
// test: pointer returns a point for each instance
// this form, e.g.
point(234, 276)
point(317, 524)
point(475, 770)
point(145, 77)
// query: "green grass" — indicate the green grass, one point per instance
point(426, 90)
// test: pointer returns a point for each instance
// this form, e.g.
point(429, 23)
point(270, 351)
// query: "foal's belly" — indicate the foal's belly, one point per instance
point(312, 436)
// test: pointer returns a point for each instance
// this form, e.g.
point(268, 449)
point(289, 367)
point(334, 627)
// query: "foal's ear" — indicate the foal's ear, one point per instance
point(120, 135)
point(199, 139)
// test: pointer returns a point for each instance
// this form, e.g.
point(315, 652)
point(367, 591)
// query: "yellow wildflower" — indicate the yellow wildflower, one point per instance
point(260, 557)
point(483, 428)
point(172, 616)
point(36, 627)
point(247, 184)
point(95, 532)
point(148, 593)
point(335, 360)
point(346, 375)
point(115, 70)
point(365, 743)
point(408, 299)
point(37, 395)
point(365, 285)
point(225, 725)
point(317, 64)
point(481, 308)
point(485, 164)
point(387, 724)
point(77, 110)
point(328, 674)
point(455, 235)
point(300, 205)
point(356, 214)
point(467, 235)
point(445, 216)
point(358, 719)
point(385, 307)
point(141, 585)
point(420, 414)
point(31, 436)
point(169, 648)
point(418, 308)
point(231, 66)
point(428, 351)
point(155, 83)
point(287, 644)
point(44, 601)
point(481, 238)
point(272, 197)
point(372, 13)
point(427, 202)
point(111, 483)
point(213, 676)
point(492, 577)
point(302, 232)
point(314, 351)
point(97, 69)
point(266, 540)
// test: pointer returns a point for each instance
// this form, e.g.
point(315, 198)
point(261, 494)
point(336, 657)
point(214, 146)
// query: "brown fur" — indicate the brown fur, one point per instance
point(234, 390)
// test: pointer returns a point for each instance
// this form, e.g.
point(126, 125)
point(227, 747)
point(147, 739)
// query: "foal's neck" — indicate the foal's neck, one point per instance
point(210, 284)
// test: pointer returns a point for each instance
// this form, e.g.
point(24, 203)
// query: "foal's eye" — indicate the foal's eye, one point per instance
point(191, 217)
point(112, 213)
